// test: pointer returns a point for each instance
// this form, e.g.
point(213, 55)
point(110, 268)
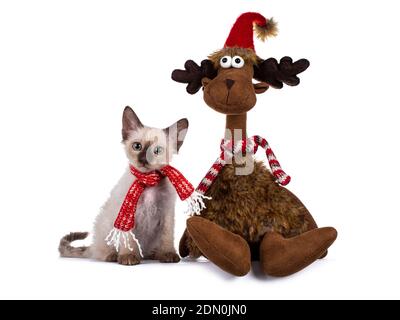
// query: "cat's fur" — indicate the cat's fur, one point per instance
point(154, 217)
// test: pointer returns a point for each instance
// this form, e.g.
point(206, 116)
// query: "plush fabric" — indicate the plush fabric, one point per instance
point(249, 216)
point(279, 256)
point(226, 249)
point(230, 149)
point(250, 205)
point(276, 74)
point(193, 74)
point(282, 257)
point(241, 34)
point(248, 55)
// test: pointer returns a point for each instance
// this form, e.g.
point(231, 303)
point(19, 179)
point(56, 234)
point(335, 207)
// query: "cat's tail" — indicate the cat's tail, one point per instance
point(68, 251)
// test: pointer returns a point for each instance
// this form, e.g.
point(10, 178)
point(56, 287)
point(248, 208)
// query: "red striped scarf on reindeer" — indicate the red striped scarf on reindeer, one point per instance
point(249, 145)
point(125, 222)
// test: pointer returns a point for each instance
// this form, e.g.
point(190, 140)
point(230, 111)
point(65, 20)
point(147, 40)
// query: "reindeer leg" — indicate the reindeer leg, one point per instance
point(311, 224)
point(281, 257)
point(227, 250)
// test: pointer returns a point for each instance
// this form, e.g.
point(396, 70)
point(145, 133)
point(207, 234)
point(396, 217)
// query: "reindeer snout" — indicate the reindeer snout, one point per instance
point(229, 83)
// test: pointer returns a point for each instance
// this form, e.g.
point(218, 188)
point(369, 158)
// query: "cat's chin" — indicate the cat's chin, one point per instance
point(145, 169)
point(142, 168)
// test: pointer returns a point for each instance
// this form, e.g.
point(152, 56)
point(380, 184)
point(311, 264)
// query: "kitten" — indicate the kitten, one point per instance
point(147, 149)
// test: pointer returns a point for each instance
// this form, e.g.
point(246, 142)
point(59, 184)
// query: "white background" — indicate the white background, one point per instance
point(67, 69)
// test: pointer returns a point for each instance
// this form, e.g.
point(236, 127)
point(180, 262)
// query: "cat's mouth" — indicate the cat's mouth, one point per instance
point(144, 167)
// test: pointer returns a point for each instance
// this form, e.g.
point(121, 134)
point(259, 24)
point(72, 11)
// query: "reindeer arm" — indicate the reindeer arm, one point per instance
point(193, 74)
point(276, 74)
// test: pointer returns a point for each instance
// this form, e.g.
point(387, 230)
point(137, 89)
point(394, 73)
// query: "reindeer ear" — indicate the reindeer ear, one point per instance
point(130, 122)
point(177, 132)
point(260, 87)
point(205, 82)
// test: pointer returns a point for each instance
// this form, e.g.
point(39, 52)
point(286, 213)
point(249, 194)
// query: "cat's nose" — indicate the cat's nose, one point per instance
point(142, 157)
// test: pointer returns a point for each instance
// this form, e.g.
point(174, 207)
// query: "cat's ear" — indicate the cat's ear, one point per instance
point(177, 132)
point(130, 122)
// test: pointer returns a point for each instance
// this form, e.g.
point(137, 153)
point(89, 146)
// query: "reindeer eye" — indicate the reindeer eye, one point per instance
point(137, 146)
point(226, 62)
point(237, 62)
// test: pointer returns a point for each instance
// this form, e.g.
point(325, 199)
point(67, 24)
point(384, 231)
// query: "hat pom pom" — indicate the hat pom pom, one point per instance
point(270, 29)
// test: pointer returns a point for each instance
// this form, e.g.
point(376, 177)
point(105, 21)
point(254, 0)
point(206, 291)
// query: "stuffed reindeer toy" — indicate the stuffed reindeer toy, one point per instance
point(249, 214)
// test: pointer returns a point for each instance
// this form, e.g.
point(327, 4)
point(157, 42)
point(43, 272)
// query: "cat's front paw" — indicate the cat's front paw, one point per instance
point(169, 257)
point(112, 257)
point(128, 259)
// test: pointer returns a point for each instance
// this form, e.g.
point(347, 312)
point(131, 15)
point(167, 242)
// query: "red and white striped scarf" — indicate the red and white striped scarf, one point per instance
point(125, 222)
point(249, 145)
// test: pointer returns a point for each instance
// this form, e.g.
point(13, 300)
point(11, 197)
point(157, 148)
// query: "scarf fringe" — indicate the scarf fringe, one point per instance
point(118, 237)
point(196, 203)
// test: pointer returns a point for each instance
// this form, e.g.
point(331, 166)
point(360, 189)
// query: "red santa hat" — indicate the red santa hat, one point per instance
point(241, 34)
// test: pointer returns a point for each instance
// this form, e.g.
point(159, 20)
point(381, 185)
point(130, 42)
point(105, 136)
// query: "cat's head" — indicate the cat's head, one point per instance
point(149, 148)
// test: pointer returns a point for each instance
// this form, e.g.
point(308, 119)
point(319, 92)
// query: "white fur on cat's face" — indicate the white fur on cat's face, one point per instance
point(149, 148)
point(154, 147)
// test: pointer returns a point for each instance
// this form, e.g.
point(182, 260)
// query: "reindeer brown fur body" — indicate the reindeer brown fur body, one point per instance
point(251, 205)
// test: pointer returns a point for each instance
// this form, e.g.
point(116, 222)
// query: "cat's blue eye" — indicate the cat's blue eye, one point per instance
point(137, 146)
point(158, 150)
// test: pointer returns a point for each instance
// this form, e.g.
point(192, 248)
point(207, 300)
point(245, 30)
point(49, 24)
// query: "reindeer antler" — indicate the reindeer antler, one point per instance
point(275, 74)
point(193, 74)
